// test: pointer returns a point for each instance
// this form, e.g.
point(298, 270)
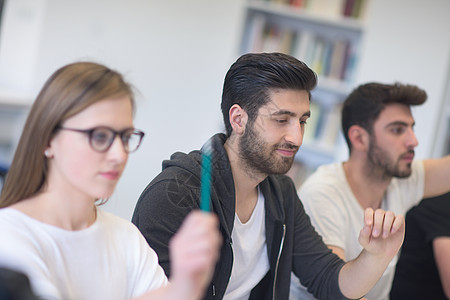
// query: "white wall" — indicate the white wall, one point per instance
point(177, 53)
point(20, 36)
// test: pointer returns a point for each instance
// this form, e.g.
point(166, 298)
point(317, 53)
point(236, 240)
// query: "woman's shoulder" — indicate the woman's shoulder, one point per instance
point(11, 217)
point(17, 231)
point(118, 225)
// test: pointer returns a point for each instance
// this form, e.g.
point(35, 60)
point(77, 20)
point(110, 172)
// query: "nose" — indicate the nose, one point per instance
point(294, 135)
point(117, 151)
point(412, 141)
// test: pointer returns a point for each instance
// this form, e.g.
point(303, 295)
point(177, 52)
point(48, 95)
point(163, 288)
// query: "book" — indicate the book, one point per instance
point(327, 57)
point(350, 59)
point(348, 8)
point(338, 59)
point(303, 46)
point(311, 128)
point(328, 8)
point(287, 41)
point(256, 31)
point(317, 55)
point(271, 39)
point(354, 9)
point(331, 127)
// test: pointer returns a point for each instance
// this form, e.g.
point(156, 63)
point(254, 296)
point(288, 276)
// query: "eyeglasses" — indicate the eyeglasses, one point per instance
point(101, 138)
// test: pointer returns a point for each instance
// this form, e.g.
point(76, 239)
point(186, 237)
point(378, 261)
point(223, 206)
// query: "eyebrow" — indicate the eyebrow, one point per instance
point(290, 113)
point(401, 123)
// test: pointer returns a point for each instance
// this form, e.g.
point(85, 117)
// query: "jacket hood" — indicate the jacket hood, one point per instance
point(222, 185)
point(192, 162)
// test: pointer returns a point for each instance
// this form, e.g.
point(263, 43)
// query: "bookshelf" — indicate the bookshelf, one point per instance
point(13, 112)
point(326, 35)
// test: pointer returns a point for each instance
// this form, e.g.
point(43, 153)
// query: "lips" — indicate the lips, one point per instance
point(111, 175)
point(409, 156)
point(287, 152)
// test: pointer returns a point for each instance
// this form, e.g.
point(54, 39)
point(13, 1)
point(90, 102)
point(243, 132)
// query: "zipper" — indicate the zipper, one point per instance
point(213, 287)
point(278, 262)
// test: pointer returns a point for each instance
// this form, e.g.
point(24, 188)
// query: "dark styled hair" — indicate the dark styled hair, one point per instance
point(365, 103)
point(67, 92)
point(250, 79)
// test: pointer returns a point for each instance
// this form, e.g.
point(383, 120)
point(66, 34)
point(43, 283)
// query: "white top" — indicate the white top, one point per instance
point(339, 218)
point(251, 262)
point(108, 260)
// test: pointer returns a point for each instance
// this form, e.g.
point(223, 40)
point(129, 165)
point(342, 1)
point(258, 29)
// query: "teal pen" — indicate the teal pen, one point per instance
point(205, 179)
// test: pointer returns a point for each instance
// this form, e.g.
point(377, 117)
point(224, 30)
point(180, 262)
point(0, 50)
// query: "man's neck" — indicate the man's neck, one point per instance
point(245, 182)
point(367, 187)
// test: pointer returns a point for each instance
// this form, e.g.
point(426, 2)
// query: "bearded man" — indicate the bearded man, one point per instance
point(381, 173)
point(266, 233)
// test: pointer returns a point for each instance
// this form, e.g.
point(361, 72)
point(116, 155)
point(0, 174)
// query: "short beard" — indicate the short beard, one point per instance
point(379, 160)
point(259, 157)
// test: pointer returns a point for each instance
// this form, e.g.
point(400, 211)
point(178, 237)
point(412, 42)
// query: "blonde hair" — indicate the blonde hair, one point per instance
point(67, 92)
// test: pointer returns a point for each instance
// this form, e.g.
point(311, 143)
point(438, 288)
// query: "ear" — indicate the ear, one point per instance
point(359, 138)
point(238, 119)
point(48, 153)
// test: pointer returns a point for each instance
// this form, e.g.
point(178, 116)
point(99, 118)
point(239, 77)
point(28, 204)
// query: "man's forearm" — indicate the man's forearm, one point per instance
point(381, 238)
point(358, 276)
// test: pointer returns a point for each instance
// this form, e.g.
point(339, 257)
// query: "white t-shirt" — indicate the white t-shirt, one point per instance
point(251, 262)
point(339, 218)
point(108, 260)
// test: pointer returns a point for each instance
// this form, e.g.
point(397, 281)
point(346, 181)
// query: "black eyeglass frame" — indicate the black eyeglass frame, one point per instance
point(121, 134)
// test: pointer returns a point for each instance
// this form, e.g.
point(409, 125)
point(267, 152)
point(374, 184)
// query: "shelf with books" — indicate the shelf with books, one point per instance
point(326, 35)
point(323, 127)
point(331, 13)
point(13, 112)
point(329, 45)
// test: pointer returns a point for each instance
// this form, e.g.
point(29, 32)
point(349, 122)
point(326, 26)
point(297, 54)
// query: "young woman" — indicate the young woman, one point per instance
point(72, 152)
